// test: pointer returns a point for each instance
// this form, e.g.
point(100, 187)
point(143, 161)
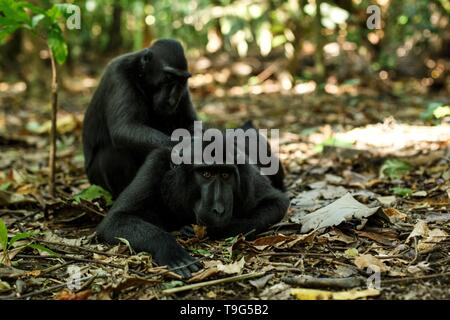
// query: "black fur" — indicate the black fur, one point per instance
point(163, 198)
point(142, 97)
point(277, 179)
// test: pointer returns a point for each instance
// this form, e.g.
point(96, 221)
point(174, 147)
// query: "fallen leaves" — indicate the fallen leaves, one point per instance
point(343, 209)
point(394, 215)
point(232, 268)
point(429, 238)
point(368, 261)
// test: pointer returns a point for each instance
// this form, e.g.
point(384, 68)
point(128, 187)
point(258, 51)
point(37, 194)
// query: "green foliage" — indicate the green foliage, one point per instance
point(20, 236)
point(3, 236)
point(435, 111)
point(172, 284)
point(332, 142)
point(203, 252)
point(395, 169)
point(5, 186)
point(402, 192)
point(6, 244)
point(92, 193)
point(43, 23)
point(42, 248)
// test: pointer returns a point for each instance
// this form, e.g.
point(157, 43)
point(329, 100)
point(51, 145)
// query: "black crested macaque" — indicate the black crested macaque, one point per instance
point(142, 97)
point(227, 199)
point(276, 179)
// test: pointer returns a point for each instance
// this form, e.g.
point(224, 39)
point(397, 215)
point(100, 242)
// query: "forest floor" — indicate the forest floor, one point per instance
point(372, 146)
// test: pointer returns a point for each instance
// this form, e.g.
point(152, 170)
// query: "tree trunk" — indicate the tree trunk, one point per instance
point(53, 131)
point(318, 57)
point(115, 35)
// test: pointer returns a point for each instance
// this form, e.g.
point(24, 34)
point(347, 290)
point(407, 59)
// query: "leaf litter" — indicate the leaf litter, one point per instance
point(347, 217)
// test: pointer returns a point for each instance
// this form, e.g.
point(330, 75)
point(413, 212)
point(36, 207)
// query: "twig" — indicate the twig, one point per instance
point(213, 282)
point(113, 265)
point(56, 287)
point(66, 198)
point(31, 214)
point(407, 279)
point(311, 282)
point(4, 212)
point(53, 131)
point(416, 252)
point(82, 248)
point(311, 254)
point(13, 273)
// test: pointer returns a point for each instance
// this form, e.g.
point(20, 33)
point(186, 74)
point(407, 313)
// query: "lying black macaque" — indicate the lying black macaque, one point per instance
point(142, 97)
point(227, 199)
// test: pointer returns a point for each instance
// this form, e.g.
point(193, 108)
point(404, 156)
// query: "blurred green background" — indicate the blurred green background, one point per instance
point(291, 43)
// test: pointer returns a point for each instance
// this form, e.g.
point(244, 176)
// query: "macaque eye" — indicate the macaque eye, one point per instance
point(225, 176)
point(206, 174)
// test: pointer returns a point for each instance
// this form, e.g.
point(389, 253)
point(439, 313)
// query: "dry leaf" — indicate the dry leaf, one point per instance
point(343, 209)
point(434, 236)
point(394, 215)
point(382, 238)
point(303, 238)
point(367, 260)
point(232, 268)
point(203, 274)
point(270, 240)
point(420, 230)
point(386, 201)
point(67, 295)
point(200, 231)
point(337, 235)
point(261, 282)
point(312, 294)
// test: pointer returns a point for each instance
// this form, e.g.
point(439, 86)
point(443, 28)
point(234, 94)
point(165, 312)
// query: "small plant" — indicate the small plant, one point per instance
point(435, 111)
point(402, 192)
point(94, 192)
point(332, 142)
point(43, 24)
point(7, 244)
point(395, 169)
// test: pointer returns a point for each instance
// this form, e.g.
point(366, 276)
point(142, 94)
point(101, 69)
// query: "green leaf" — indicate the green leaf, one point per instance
point(172, 284)
point(3, 235)
point(434, 110)
point(36, 19)
point(13, 11)
point(5, 186)
point(203, 252)
point(64, 9)
point(332, 142)
point(403, 192)
point(41, 248)
point(394, 168)
point(441, 112)
point(54, 13)
point(57, 44)
point(20, 236)
point(6, 31)
point(94, 192)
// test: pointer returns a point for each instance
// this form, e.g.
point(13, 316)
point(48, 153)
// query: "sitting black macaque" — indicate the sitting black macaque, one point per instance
point(142, 97)
point(227, 199)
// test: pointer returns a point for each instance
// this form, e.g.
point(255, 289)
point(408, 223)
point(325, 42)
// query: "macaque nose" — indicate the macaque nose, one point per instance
point(218, 209)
